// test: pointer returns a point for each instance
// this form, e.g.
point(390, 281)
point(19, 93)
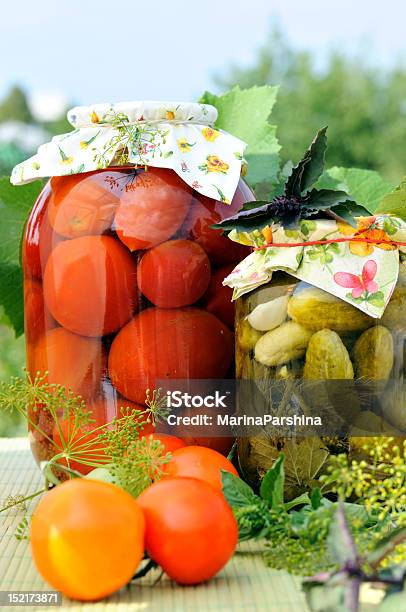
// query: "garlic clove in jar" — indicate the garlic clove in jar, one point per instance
point(269, 315)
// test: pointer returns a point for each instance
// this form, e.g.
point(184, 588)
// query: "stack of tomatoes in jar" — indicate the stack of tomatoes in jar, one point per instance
point(123, 286)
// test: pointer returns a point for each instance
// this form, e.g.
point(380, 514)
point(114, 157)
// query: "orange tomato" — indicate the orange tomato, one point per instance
point(74, 361)
point(152, 208)
point(170, 443)
point(191, 531)
point(87, 538)
point(173, 274)
point(84, 204)
point(220, 437)
point(90, 285)
point(39, 237)
point(201, 463)
point(218, 297)
point(222, 444)
point(204, 212)
point(168, 343)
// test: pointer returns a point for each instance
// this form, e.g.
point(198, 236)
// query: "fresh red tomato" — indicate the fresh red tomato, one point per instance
point(218, 297)
point(152, 208)
point(201, 463)
point(173, 274)
point(160, 344)
point(204, 212)
point(191, 531)
point(170, 443)
point(221, 444)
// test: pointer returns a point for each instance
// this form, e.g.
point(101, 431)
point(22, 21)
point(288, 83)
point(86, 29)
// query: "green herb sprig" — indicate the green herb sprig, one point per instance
point(300, 198)
point(134, 462)
point(296, 532)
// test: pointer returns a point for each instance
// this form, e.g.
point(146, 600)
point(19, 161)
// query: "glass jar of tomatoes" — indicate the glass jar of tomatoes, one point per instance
point(123, 287)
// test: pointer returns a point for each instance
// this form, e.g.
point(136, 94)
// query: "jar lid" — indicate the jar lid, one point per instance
point(329, 255)
point(176, 135)
point(141, 110)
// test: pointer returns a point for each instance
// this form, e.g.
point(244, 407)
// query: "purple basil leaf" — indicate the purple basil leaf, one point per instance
point(340, 542)
point(310, 168)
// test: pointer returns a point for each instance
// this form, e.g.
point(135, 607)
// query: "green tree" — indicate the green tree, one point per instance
point(364, 107)
point(15, 106)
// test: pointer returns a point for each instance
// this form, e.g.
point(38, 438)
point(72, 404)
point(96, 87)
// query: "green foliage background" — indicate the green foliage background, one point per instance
point(364, 107)
point(12, 355)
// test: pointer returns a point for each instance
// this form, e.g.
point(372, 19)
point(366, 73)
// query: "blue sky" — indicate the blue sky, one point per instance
point(169, 49)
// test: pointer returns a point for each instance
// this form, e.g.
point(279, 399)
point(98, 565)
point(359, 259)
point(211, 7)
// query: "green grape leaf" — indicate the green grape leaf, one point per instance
point(11, 295)
point(395, 202)
point(245, 114)
point(366, 187)
point(310, 167)
point(15, 205)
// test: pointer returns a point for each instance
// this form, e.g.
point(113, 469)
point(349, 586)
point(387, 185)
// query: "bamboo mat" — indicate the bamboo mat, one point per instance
point(245, 584)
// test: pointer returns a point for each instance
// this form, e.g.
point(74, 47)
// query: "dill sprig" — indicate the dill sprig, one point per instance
point(22, 530)
point(134, 462)
point(115, 443)
point(141, 138)
point(28, 396)
point(377, 480)
point(17, 502)
point(157, 408)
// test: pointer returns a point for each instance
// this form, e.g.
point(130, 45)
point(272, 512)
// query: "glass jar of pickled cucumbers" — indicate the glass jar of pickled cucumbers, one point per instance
point(308, 352)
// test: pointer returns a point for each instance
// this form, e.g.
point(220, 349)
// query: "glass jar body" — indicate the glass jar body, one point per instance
point(306, 352)
point(122, 287)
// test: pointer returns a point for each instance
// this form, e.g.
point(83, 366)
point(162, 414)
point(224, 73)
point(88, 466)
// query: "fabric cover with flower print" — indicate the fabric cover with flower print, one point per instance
point(363, 274)
point(175, 135)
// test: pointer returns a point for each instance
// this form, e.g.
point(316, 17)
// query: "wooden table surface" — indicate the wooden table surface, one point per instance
point(245, 584)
